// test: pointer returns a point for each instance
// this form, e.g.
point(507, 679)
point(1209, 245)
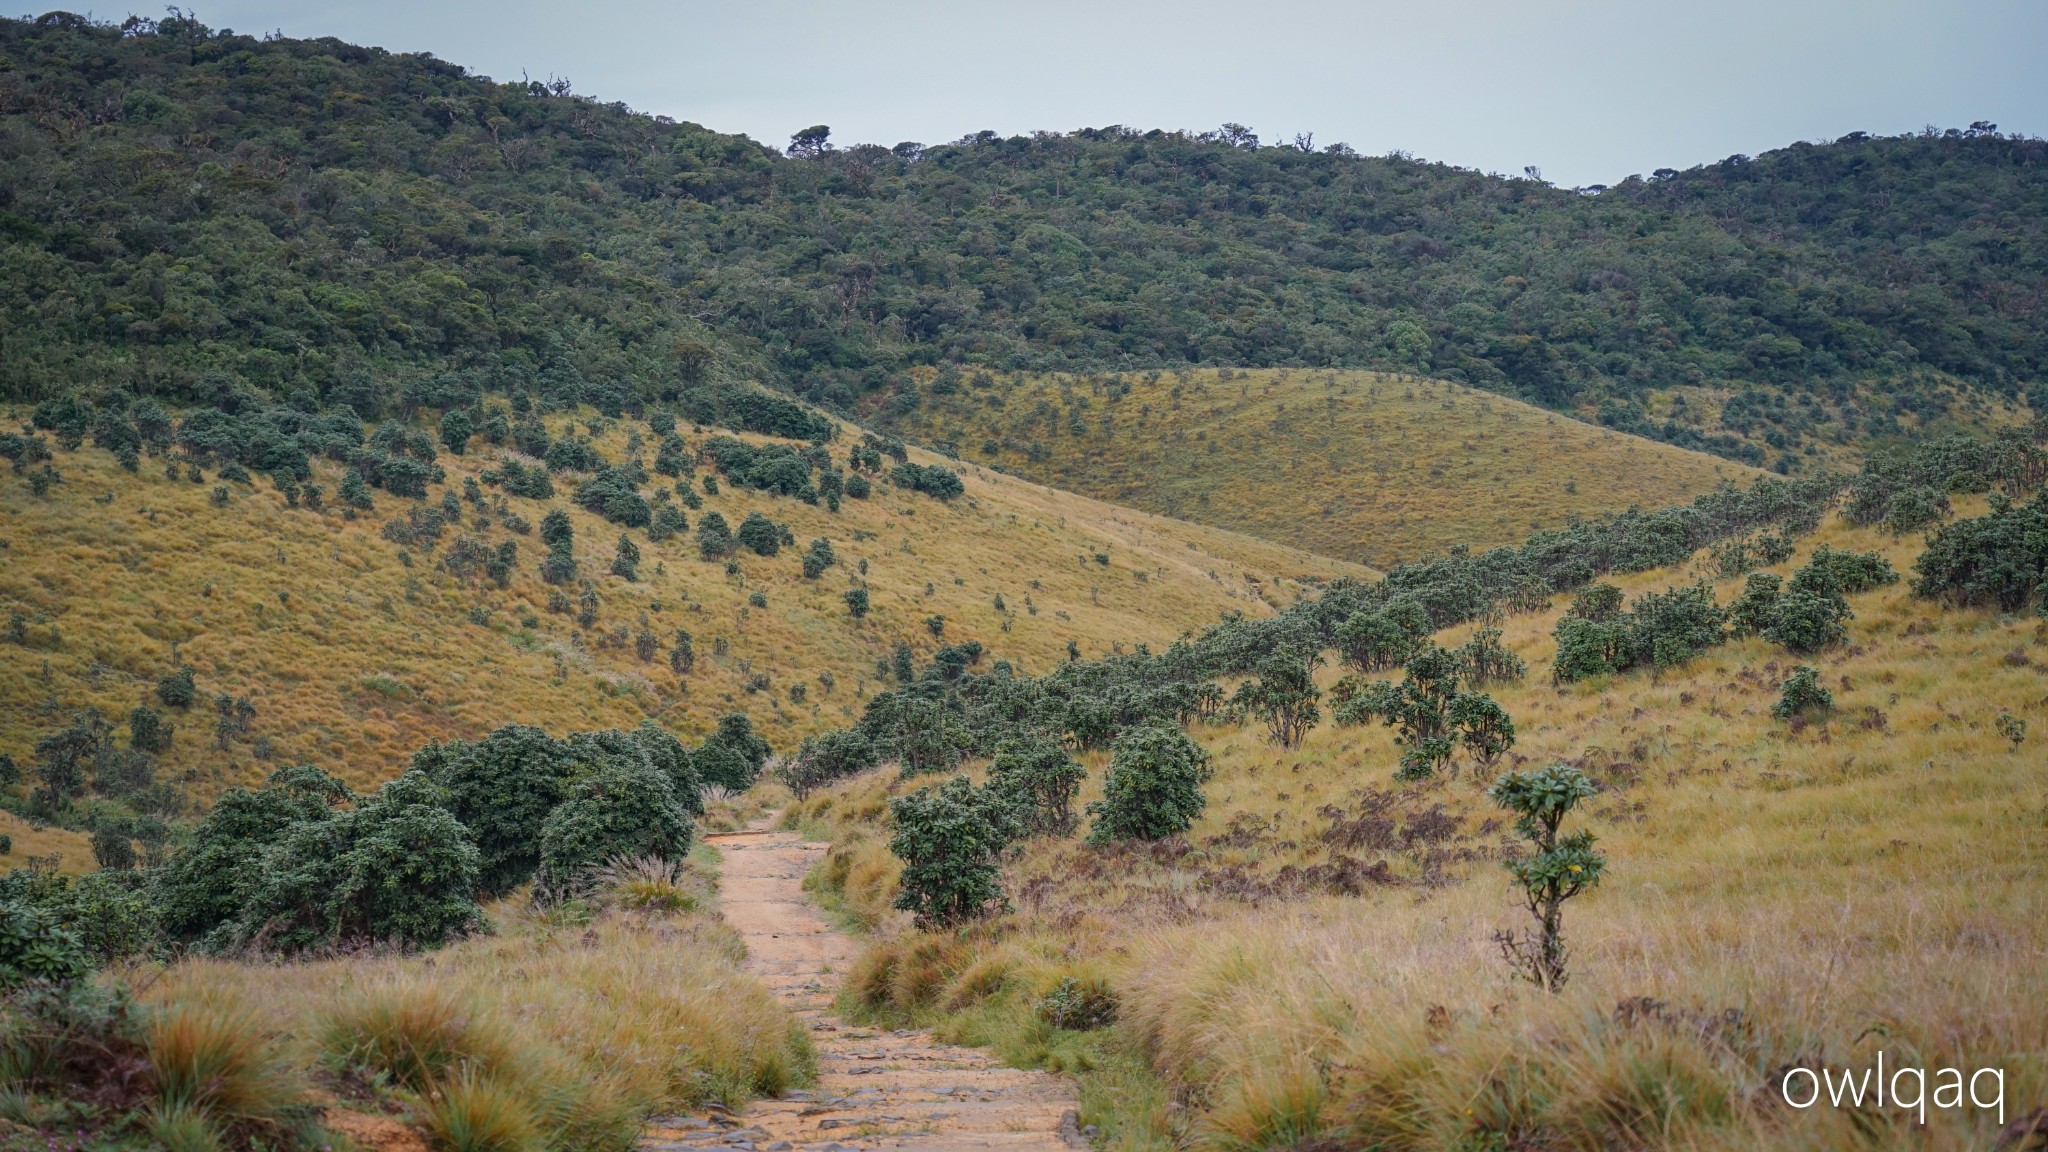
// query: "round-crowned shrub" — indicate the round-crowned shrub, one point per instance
point(1802, 694)
point(501, 788)
point(622, 810)
point(950, 839)
point(1039, 779)
point(1153, 788)
point(1807, 621)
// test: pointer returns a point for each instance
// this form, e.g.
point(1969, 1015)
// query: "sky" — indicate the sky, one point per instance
point(1586, 91)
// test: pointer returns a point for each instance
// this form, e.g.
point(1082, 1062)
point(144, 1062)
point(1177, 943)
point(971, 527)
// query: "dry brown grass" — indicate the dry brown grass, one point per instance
point(1779, 894)
point(353, 660)
point(565, 1031)
point(1371, 467)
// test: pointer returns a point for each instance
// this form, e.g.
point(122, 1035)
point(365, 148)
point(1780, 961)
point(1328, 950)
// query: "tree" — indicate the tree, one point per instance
point(1039, 779)
point(1483, 726)
point(626, 564)
point(758, 534)
point(857, 602)
point(620, 810)
point(714, 537)
point(950, 839)
point(501, 788)
point(682, 657)
point(811, 143)
point(1284, 695)
point(1153, 788)
point(818, 558)
point(66, 759)
point(146, 729)
point(1802, 694)
point(1371, 640)
point(1487, 660)
point(199, 892)
point(456, 429)
point(1557, 869)
point(1806, 621)
point(177, 689)
point(820, 760)
point(1430, 714)
point(732, 756)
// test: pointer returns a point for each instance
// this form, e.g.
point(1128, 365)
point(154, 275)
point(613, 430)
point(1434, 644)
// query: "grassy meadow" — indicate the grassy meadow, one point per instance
point(355, 652)
point(1313, 965)
point(1373, 467)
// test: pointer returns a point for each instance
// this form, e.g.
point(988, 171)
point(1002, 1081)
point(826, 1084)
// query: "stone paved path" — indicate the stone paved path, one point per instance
point(877, 1089)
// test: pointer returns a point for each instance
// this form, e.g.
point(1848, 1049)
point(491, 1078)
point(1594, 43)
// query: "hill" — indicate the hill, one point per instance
point(1372, 467)
point(1315, 960)
point(359, 636)
point(180, 203)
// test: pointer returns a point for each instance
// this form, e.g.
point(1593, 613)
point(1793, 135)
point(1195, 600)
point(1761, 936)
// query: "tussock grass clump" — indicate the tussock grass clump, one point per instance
point(216, 1072)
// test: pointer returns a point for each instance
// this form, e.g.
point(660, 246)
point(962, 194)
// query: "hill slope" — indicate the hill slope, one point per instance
point(318, 216)
point(1374, 468)
point(355, 650)
point(1316, 956)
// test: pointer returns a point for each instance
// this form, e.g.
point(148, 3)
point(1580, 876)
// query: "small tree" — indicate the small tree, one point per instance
point(1805, 620)
point(65, 759)
point(623, 809)
point(1153, 788)
point(857, 602)
point(1284, 695)
point(456, 429)
point(759, 534)
point(1487, 660)
point(1558, 869)
point(501, 788)
point(1372, 640)
point(820, 760)
point(682, 657)
point(1039, 779)
point(1430, 715)
point(177, 689)
point(146, 730)
point(950, 839)
point(1482, 725)
point(1802, 694)
point(626, 564)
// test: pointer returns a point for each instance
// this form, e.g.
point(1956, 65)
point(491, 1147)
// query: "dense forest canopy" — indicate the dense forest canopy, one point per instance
point(186, 211)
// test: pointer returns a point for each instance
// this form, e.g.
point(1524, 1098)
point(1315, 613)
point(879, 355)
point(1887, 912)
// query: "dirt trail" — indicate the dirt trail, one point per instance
point(877, 1089)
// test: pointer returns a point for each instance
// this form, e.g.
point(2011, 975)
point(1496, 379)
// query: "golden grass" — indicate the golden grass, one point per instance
point(1780, 895)
point(353, 659)
point(565, 1032)
point(73, 850)
point(1371, 467)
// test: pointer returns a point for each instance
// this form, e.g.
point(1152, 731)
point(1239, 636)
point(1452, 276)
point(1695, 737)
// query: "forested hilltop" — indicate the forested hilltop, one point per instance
point(185, 208)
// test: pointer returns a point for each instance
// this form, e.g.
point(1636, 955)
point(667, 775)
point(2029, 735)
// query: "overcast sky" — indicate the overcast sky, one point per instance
point(1587, 90)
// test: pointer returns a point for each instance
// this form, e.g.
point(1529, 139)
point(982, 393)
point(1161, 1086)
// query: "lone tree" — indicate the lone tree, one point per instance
point(950, 839)
point(1039, 779)
point(1284, 695)
point(1559, 868)
point(1153, 789)
point(857, 602)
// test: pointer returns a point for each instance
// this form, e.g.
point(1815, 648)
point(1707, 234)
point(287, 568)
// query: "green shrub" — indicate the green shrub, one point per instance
point(732, 756)
point(1999, 559)
point(1284, 695)
point(668, 521)
point(35, 945)
point(857, 486)
point(1079, 1005)
point(197, 891)
point(1807, 621)
point(759, 534)
point(501, 788)
point(1153, 788)
point(1556, 870)
point(935, 480)
point(820, 760)
point(1751, 613)
point(620, 810)
point(626, 563)
point(1371, 640)
point(456, 429)
point(950, 839)
point(1802, 694)
point(857, 602)
point(1039, 780)
point(714, 537)
point(177, 689)
point(1430, 713)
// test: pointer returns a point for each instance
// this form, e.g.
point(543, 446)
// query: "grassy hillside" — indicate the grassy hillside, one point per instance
point(179, 204)
point(354, 651)
point(1777, 894)
point(1372, 467)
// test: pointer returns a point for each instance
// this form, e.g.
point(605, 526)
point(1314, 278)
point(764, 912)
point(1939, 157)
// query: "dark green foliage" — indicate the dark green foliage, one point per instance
point(1556, 869)
point(611, 495)
point(1153, 788)
point(626, 564)
point(501, 788)
point(1752, 612)
point(1598, 603)
point(1663, 629)
point(673, 457)
point(36, 946)
point(857, 486)
point(950, 839)
point(1907, 489)
point(1284, 695)
point(354, 494)
point(935, 480)
point(456, 430)
point(714, 537)
point(775, 468)
point(1806, 621)
point(1802, 694)
point(503, 559)
point(178, 688)
point(668, 521)
point(1487, 660)
point(66, 759)
point(1039, 780)
point(620, 810)
point(1829, 572)
point(1430, 713)
point(572, 455)
point(199, 890)
point(919, 732)
point(1374, 639)
point(857, 602)
point(1079, 1006)
point(112, 849)
point(560, 536)
point(759, 534)
point(733, 754)
point(399, 868)
point(682, 655)
point(1999, 559)
point(818, 558)
point(532, 483)
point(820, 760)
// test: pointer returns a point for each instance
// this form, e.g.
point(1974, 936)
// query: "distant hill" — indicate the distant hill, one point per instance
point(181, 209)
point(356, 640)
point(1374, 468)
